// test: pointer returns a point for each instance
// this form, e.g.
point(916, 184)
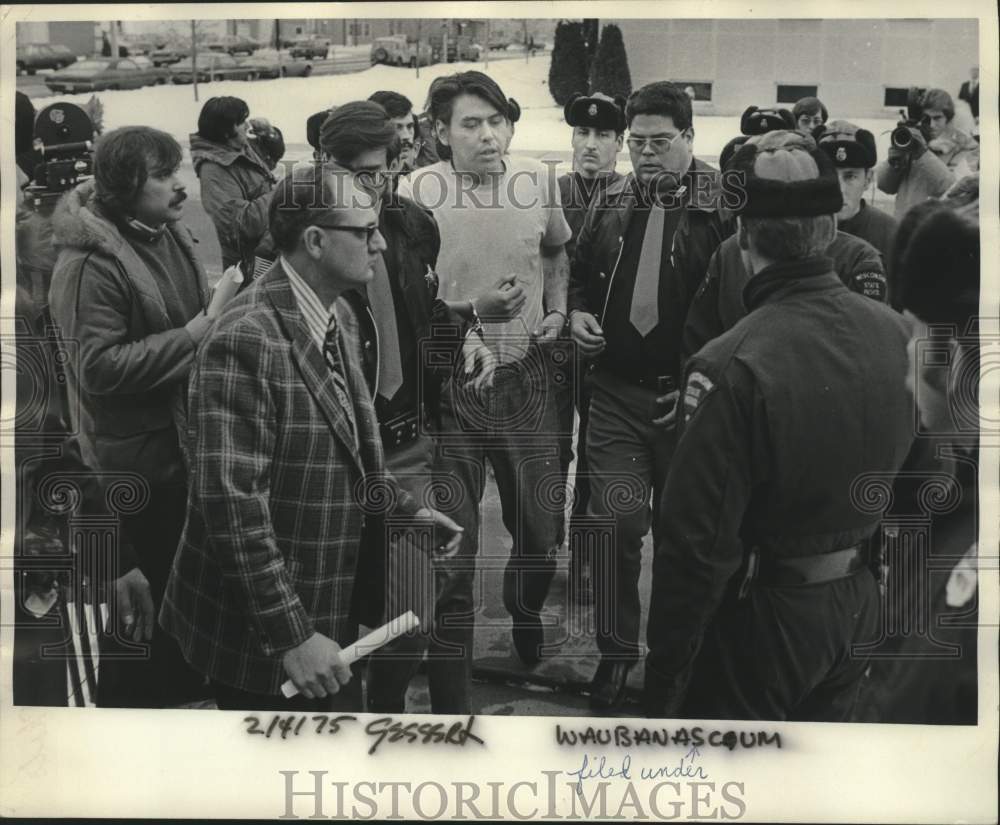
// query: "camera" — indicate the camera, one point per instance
point(911, 118)
point(63, 145)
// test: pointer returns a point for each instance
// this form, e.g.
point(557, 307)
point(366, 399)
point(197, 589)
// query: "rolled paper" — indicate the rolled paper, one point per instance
point(379, 637)
point(225, 289)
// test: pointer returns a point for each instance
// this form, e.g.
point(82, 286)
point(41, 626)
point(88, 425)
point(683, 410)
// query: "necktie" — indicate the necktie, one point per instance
point(644, 313)
point(390, 367)
point(331, 352)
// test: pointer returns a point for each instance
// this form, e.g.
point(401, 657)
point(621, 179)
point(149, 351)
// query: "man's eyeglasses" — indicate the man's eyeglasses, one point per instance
point(660, 145)
point(368, 230)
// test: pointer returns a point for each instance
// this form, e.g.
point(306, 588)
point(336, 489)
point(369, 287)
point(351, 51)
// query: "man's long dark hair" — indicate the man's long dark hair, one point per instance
point(125, 158)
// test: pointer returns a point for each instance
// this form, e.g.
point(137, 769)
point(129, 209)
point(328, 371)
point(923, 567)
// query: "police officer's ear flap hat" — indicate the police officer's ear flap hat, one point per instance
point(786, 176)
point(598, 111)
point(756, 121)
point(847, 145)
point(729, 151)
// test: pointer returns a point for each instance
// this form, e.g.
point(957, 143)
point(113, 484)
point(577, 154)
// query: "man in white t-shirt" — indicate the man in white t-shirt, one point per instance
point(503, 266)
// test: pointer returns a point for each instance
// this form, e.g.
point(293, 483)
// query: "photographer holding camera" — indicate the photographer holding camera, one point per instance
point(927, 153)
point(129, 291)
point(234, 168)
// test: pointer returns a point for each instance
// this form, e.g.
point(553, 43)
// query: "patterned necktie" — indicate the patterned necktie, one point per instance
point(331, 352)
point(390, 366)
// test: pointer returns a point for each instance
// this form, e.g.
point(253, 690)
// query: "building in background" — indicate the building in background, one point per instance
point(82, 37)
point(861, 67)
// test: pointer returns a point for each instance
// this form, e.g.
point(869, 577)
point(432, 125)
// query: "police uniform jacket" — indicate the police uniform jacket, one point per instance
point(701, 228)
point(784, 415)
point(718, 304)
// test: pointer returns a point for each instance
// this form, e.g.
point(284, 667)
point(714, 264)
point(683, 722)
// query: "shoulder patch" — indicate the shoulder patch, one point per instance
point(698, 387)
point(871, 284)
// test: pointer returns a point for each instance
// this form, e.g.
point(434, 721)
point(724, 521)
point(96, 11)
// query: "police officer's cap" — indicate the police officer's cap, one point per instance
point(598, 111)
point(787, 176)
point(757, 121)
point(847, 145)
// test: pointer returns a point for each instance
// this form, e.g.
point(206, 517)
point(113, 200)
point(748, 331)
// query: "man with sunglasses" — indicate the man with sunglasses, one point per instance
point(402, 324)
point(640, 257)
point(287, 467)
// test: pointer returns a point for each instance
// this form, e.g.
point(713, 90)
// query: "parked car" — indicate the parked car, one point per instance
point(159, 74)
point(139, 47)
point(287, 68)
point(311, 48)
point(168, 55)
point(233, 44)
point(34, 56)
point(215, 66)
point(396, 50)
point(96, 74)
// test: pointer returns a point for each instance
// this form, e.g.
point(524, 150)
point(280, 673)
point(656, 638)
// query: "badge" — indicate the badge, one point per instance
point(872, 285)
point(57, 116)
point(763, 123)
point(841, 154)
point(592, 110)
point(698, 386)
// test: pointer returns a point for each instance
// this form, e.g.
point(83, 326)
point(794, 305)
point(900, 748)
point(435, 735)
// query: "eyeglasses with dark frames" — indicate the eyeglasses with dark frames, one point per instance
point(369, 230)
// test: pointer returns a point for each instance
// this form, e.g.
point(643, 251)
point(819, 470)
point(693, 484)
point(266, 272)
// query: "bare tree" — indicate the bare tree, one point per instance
point(194, 58)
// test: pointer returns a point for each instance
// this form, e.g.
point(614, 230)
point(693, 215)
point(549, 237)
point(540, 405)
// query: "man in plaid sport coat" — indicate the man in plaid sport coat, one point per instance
point(287, 467)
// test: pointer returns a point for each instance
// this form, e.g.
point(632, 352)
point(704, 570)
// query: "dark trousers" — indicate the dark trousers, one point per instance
point(785, 653)
point(628, 457)
point(408, 585)
point(517, 431)
point(159, 677)
point(572, 390)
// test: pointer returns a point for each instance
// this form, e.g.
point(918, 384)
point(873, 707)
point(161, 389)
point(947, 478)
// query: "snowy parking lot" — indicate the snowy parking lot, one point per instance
point(287, 102)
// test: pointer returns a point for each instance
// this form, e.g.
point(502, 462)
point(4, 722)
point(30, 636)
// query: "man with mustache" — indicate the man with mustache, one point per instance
point(639, 259)
point(598, 124)
point(129, 289)
point(415, 150)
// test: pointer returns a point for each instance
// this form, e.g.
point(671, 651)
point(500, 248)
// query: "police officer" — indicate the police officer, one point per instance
point(598, 124)
point(853, 152)
point(761, 579)
point(718, 303)
point(639, 258)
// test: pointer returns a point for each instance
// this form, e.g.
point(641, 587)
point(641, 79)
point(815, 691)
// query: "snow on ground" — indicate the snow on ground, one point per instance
point(287, 102)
